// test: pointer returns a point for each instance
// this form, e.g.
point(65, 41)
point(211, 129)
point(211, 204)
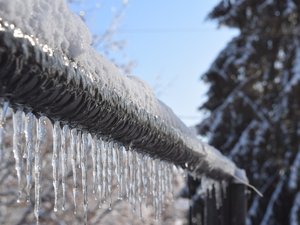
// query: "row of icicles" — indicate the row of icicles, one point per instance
point(136, 176)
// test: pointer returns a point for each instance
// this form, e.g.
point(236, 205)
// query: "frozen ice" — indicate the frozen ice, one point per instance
point(110, 173)
point(3, 111)
point(121, 166)
point(29, 126)
point(17, 146)
point(55, 161)
point(94, 161)
point(100, 169)
point(83, 162)
point(63, 153)
point(137, 177)
point(73, 142)
point(40, 141)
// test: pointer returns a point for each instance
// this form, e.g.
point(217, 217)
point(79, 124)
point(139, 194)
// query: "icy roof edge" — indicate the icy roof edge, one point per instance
point(126, 88)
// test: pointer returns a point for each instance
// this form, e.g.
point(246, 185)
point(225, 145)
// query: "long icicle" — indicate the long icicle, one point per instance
point(105, 171)
point(140, 183)
point(78, 156)
point(73, 163)
point(127, 176)
point(41, 135)
point(145, 177)
point(110, 171)
point(134, 180)
point(121, 172)
point(29, 124)
point(17, 147)
point(117, 166)
point(3, 112)
point(130, 174)
point(55, 161)
point(63, 153)
point(94, 161)
point(84, 149)
point(99, 171)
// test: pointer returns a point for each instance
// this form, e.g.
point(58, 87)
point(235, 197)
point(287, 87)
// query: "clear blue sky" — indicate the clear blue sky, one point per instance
point(172, 43)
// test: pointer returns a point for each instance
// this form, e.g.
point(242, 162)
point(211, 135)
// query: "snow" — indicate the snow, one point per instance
point(294, 176)
point(295, 211)
point(296, 73)
point(269, 211)
point(246, 140)
point(51, 22)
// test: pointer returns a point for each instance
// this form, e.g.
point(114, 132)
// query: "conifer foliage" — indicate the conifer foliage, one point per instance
point(254, 103)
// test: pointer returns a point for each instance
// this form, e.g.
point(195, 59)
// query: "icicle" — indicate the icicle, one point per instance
point(110, 171)
point(117, 166)
point(163, 184)
point(140, 183)
point(94, 161)
point(131, 179)
point(127, 175)
point(155, 187)
point(159, 194)
point(121, 172)
point(73, 163)
point(84, 149)
point(17, 147)
point(153, 183)
point(3, 112)
point(29, 123)
point(79, 137)
point(134, 180)
point(145, 177)
point(167, 177)
point(55, 161)
point(41, 135)
point(63, 154)
point(151, 179)
point(166, 182)
point(100, 171)
point(171, 181)
point(218, 194)
point(224, 188)
point(105, 171)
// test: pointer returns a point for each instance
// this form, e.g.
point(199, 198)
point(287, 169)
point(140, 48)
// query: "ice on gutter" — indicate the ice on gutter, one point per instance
point(52, 23)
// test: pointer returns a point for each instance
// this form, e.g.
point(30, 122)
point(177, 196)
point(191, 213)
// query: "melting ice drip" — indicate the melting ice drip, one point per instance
point(136, 177)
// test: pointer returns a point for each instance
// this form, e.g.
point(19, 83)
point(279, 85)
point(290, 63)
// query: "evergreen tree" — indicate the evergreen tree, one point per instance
point(254, 103)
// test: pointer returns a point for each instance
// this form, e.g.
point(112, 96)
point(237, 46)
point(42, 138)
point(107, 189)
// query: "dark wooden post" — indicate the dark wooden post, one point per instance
point(212, 213)
point(238, 203)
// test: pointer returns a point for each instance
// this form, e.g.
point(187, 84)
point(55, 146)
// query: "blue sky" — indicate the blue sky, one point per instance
point(171, 42)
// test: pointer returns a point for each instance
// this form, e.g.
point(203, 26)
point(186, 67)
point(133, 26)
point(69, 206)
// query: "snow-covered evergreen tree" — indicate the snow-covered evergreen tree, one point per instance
point(254, 103)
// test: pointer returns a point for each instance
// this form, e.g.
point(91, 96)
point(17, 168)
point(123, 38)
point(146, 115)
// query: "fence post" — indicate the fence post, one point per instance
point(212, 213)
point(238, 203)
point(203, 209)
